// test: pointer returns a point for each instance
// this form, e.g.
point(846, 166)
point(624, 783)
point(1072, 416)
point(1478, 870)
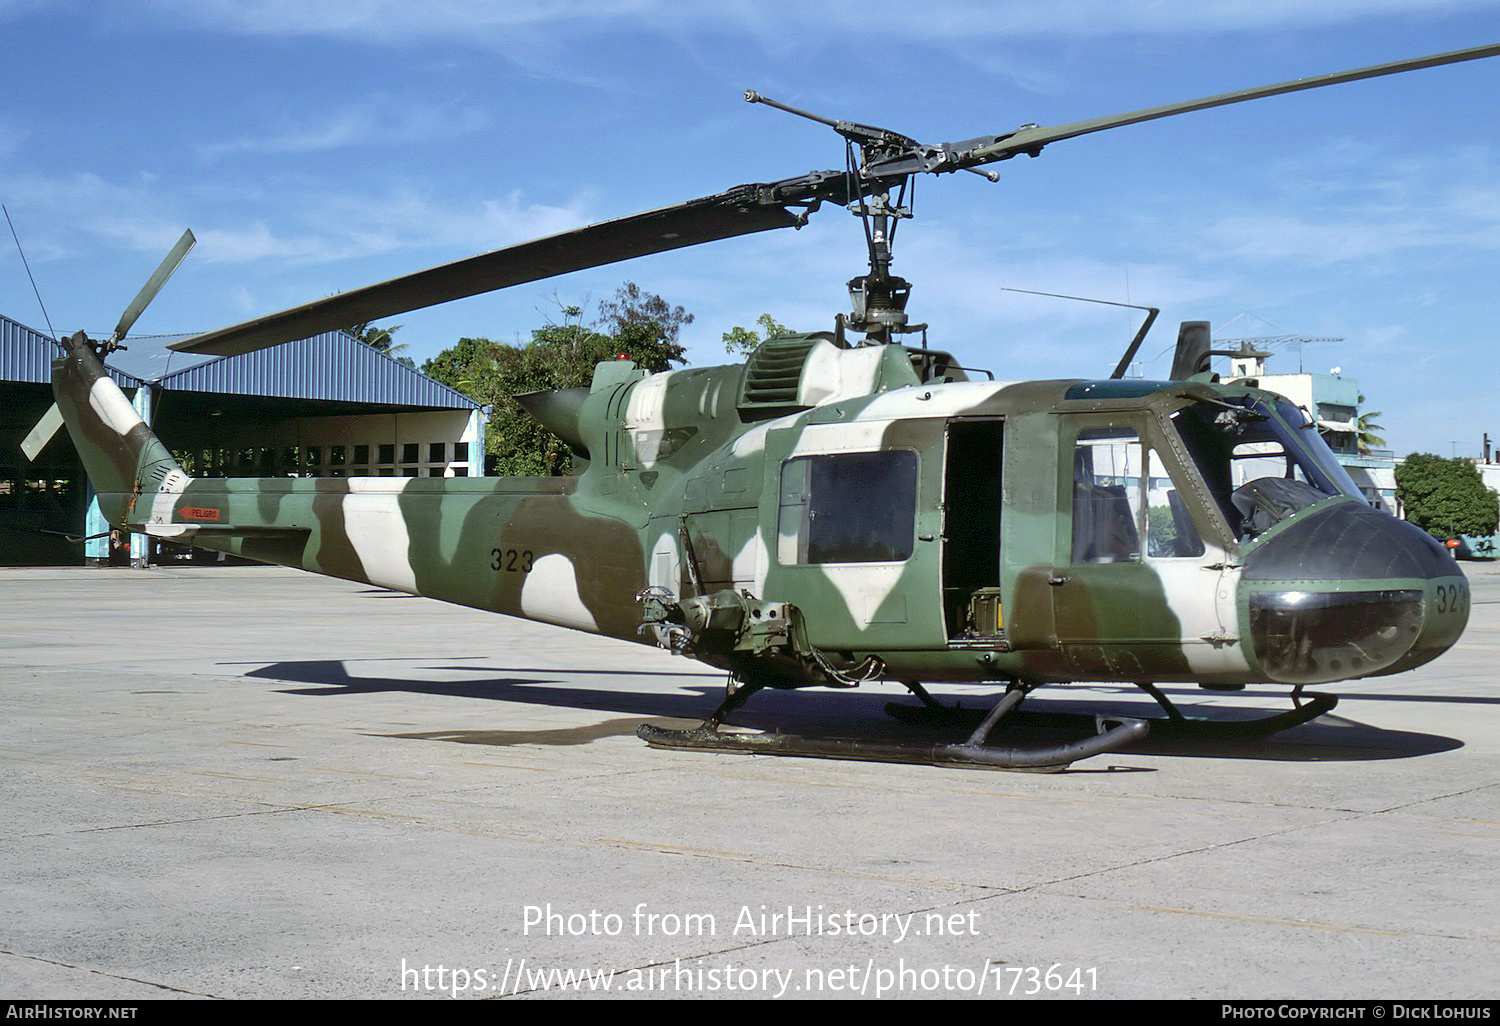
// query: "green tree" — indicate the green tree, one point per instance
point(381, 340)
point(1446, 497)
point(636, 325)
point(742, 341)
point(644, 327)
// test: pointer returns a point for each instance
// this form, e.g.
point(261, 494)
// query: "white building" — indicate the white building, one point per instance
point(1333, 401)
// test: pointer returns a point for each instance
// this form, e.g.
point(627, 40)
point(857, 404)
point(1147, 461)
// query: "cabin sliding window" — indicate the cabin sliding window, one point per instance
point(1122, 492)
point(848, 508)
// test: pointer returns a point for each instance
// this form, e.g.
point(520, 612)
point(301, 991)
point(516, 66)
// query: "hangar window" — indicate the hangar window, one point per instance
point(855, 507)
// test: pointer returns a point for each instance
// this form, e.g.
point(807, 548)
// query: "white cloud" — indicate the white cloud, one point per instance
point(78, 212)
point(378, 121)
point(17, 8)
point(483, 21)
point(73, 213)
point(333, 228)
point(1450, 217)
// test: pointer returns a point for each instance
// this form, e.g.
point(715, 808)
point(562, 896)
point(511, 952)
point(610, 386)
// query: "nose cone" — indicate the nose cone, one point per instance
point(1346, 591)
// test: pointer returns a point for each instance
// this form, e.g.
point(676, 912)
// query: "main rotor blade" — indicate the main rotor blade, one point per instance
point(1031, 140)
point(740, 211)
point(153, 285)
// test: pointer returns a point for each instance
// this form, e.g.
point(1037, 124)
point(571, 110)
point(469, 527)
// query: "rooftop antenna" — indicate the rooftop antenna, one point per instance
point(1281, 338)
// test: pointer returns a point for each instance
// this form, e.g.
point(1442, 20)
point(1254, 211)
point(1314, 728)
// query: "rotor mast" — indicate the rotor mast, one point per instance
point(878, 298)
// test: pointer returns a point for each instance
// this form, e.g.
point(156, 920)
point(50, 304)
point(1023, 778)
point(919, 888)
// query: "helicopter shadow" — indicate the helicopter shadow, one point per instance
point(1329, 738)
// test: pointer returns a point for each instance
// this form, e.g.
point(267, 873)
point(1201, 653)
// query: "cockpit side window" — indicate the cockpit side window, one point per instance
point(1169, 528)
point(1122, 493)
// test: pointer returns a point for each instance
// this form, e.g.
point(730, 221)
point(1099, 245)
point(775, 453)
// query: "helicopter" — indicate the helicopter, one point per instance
point(838, 509)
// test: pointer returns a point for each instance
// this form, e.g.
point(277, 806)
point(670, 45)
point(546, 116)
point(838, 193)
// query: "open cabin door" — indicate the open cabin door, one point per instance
point(971, 533)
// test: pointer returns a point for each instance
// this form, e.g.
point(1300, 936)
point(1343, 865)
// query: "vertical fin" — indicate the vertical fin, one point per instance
point(124, 459)
point(1192, 356)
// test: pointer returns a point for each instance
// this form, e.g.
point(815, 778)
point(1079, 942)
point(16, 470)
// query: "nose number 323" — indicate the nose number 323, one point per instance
point(1452, 598)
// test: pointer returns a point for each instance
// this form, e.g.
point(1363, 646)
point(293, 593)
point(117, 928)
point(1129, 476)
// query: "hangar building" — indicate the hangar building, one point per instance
point(326, 406)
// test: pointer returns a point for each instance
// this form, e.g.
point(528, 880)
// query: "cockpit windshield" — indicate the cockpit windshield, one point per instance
point(1262, 459)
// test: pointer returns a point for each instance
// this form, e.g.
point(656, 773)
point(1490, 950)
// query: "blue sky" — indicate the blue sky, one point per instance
point(317, 147)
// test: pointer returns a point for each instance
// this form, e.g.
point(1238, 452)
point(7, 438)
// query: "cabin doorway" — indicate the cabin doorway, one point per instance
point(971, 530)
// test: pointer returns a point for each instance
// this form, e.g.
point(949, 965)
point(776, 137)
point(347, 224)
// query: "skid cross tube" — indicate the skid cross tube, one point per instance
point(1175, 725)
point(976, 752)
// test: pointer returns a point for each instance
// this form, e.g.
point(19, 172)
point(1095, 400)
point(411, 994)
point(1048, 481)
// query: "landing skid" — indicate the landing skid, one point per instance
point(1174, 725)
point(976, 752)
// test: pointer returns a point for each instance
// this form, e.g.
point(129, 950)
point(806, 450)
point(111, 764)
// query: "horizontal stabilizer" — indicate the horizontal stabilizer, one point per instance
point(170, 531)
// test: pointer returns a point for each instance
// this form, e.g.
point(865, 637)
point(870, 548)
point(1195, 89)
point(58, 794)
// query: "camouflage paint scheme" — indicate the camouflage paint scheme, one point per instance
point(679, 492)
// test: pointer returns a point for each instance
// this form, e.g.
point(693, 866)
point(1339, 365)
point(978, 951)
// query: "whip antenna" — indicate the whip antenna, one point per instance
point(26, 265)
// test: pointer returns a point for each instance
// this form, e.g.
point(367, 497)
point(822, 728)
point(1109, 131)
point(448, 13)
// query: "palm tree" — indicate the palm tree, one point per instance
point(379, 339)
point(1365, 428)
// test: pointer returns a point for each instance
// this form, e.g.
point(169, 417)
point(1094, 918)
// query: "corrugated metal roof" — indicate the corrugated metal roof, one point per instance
point(333, 366)
point(26, 355)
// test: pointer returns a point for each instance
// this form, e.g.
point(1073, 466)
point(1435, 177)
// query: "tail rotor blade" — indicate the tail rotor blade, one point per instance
point(153, 285)
point(33, 444)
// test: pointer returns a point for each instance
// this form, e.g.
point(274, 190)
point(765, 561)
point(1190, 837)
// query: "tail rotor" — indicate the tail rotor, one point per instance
point(46, 429)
